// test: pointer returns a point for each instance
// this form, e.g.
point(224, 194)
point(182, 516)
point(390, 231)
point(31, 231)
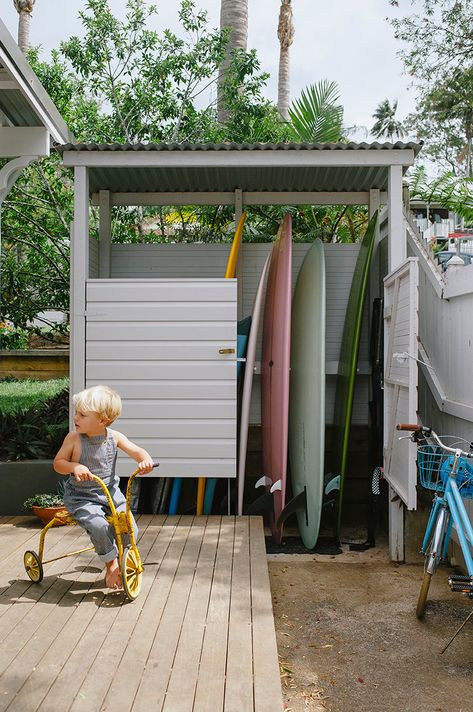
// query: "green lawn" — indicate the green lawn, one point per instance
point(20, 396)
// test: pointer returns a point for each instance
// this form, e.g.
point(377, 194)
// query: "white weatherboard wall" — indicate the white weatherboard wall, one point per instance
point(157, 342)
point(209, 261)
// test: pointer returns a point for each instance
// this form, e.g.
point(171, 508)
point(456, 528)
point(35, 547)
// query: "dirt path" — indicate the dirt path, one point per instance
point(349, 640)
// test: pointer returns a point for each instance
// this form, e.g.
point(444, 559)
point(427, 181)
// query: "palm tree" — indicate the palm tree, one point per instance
point(386, 124)
point(24, 9)
point(316, 116)
point(286, 38)
point(234, 18)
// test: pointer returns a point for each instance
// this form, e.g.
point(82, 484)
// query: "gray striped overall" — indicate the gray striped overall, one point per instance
point(86, 500)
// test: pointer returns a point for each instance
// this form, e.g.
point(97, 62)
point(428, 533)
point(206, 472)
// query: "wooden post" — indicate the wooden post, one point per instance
point(239, 266)
point(396, 254)
point(79, 275)
point(397, 233)
point(105, 235)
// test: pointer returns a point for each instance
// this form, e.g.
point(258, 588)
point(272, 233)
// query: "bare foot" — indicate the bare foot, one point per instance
point(112, 575)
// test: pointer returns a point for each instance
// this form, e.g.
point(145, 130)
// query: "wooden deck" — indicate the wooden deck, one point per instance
point(200, 637)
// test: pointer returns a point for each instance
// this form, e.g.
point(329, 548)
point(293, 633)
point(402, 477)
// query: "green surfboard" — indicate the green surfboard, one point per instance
point(307, 393)
point(349, 359)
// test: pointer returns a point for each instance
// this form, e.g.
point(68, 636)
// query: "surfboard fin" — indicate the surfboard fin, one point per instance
point(277, 486)
point(263, 482)
point(297, 504)
point(332, 484)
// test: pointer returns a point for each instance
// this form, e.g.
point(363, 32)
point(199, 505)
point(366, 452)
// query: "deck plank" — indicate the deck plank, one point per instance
point(199, 637)
point(239, 682)
point(210, 689)
point(159, 572)
point(154, 681)
point(265, 652)
point(184, 675)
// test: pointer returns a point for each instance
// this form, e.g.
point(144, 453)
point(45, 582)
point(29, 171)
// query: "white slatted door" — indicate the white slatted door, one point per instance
point(157, 342)
point(400, 378)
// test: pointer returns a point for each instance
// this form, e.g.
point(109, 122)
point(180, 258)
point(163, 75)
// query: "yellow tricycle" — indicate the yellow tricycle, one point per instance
point(129, 560)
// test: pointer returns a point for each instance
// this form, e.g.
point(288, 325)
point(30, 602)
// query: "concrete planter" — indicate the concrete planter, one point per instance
point(23, 479)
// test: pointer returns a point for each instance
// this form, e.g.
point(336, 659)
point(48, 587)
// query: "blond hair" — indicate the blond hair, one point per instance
point(101, 400)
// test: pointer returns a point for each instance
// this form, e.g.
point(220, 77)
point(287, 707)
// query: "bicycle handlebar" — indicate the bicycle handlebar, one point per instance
point(418, 430)
point(408, 426)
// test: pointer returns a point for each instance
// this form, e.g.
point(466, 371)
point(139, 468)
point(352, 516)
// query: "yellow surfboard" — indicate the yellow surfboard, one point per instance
point(229, 274)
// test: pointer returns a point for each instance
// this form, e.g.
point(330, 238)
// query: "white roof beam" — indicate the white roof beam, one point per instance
point(24, 141)
point(239, 159)
point(249, 198)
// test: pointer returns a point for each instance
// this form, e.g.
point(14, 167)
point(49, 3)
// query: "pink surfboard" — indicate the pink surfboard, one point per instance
point(275, 364)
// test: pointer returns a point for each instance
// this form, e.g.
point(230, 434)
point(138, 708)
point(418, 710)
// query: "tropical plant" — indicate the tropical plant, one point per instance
point(317, 116)
point(286, 38)
point(24, 9)
point(386, 124)
point(448, 190)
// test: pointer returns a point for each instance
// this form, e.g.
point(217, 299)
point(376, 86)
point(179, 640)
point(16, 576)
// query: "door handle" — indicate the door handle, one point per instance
point(226, 351)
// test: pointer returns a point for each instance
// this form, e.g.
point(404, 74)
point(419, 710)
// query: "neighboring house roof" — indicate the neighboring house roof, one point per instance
point(287, 167)
point(23, 100)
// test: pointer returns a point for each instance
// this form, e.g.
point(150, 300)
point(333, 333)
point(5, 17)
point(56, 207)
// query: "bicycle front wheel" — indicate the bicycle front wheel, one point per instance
point(423, 593)
point(433, 556)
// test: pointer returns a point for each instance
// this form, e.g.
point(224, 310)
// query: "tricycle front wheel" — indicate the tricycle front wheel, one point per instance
point(131, 571)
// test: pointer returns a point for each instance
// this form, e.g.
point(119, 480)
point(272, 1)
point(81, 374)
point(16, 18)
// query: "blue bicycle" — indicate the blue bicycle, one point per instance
point(444, 467)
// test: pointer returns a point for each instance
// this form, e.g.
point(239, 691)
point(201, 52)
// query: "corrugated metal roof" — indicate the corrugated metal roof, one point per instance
point(228, 146)
point(244, 171)
point(26, 103)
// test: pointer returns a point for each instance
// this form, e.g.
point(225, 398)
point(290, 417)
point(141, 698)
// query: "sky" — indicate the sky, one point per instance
point(344, 41)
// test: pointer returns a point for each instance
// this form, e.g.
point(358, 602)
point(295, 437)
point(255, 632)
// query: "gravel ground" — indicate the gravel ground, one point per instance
point(349, 641)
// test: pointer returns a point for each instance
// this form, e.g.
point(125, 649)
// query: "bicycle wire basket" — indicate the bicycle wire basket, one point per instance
point(434, 466)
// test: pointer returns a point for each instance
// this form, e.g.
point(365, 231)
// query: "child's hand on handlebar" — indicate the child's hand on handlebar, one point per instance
point(145, 466)
point(81, 473)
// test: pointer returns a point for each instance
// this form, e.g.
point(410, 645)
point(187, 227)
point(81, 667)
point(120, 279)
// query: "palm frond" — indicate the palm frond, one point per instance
point(316, 116)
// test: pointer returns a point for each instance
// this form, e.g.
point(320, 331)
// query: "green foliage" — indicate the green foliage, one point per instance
point(35, 243)
point(438, 38)
point(448, 190)
point(437, 51)
point(149, 82)
point(12, 337)
point(33, 419)
point(316, 116)
point(43, 500)
point(251, 117)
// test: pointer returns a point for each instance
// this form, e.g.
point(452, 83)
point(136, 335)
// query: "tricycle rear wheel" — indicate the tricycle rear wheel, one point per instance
point(33, 566)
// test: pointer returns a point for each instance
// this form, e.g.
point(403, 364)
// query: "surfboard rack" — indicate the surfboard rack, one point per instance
point(296, 504)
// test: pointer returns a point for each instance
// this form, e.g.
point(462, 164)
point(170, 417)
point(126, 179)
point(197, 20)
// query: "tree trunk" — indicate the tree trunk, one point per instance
point(233, 14)
point(284, 92)
point(286, 38)
point(24, 9)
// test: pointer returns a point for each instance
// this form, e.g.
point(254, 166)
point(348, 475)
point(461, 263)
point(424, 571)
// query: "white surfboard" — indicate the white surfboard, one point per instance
point(248, 384)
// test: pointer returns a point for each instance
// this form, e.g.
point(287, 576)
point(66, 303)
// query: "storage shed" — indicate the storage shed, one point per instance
point(151, 320)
